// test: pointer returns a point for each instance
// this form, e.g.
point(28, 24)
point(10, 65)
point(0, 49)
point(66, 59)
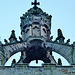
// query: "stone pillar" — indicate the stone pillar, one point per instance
point(30, 30)
point(41, 30)
point(23, 35)
point(0, 53)
point(48, 34)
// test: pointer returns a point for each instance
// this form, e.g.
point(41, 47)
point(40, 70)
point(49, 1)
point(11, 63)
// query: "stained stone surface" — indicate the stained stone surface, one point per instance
point(36, 44)
point(46, 69)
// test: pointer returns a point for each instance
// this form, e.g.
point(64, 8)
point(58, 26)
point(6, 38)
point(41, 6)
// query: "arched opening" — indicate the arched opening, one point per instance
point(40, 62)
point(57, 56)
point(33, 63)
point(61, 50)
point(15, 56)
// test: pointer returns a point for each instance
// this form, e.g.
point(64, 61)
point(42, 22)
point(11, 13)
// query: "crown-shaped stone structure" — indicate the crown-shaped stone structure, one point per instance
point(35, 23)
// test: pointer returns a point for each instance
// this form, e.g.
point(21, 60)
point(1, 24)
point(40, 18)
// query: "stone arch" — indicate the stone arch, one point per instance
point(13, 54)
point(11, 49)
point(63, 50)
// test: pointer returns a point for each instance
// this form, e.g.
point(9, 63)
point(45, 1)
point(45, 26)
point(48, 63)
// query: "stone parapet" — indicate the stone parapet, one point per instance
point(46, 69)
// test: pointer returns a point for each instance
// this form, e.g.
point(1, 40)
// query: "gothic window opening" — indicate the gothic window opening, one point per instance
point(27, 30)
point(36, 27)
point(25, 27)
point(45, 26)
point(36, 30)
point(44, 30)
point(36, 23)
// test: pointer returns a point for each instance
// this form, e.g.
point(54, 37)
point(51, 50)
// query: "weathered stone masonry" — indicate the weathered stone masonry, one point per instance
point(36, 43)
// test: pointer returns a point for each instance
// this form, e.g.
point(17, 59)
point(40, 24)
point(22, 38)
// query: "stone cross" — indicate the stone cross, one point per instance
point(35, 3)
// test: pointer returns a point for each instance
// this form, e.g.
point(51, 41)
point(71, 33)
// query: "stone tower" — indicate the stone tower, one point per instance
point(37, 44)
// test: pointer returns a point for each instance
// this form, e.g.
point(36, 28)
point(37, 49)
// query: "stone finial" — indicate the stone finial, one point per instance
point(20, 38)
point(13, 63)
point(51, 38)
point(67, 42)
point(5, 41)
point(60, 37)
point(12, 37)
point(59, 62)
point(13, 33)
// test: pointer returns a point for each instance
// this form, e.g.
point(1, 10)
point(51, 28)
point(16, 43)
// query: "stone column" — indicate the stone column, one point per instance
point(30, 30)
point(23, 35)
point(0, 53)
point(41, 30)
point(48, 34)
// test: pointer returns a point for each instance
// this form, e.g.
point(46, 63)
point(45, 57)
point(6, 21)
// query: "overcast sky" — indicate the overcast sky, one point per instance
point(62, 11)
